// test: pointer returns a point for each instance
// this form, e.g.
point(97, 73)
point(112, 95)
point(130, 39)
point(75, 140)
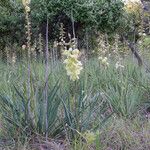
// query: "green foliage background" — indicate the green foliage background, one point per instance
point(100, 15)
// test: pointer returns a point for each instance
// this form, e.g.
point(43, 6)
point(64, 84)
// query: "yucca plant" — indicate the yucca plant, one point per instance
point(14, 111)
point(83, 108)
point(124, 97)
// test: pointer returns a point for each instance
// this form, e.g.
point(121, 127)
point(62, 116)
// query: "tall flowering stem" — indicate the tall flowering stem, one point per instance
point(46, 83)
point(103, 50)
point(26, 4)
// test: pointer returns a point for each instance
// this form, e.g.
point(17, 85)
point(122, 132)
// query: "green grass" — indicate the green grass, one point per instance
point(104, 101)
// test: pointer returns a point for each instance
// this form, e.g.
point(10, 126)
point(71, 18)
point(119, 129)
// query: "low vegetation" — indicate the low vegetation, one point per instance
point(59, 94)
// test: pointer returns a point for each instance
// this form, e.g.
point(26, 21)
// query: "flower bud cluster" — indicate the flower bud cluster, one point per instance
point(104, 61)
point(26, 4)
point(133, 6)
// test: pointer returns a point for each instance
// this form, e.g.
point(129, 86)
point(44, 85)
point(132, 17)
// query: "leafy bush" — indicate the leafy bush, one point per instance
point(103, 15)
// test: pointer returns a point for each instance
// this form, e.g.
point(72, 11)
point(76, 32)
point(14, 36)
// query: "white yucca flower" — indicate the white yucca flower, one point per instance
point(26, 4)
point(104, 61)
point(72, 64)
point(133, 6)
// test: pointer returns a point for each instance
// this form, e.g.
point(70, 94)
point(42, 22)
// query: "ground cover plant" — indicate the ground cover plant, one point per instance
point(84, 90)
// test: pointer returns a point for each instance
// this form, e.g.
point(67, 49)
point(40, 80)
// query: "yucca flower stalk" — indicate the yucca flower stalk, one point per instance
point(7, 55)
point(72, 64)
point(103, 50)
point(26, 4)
point(14, 58)
point(46, 82)
point(119, 64)
point(40, 45)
